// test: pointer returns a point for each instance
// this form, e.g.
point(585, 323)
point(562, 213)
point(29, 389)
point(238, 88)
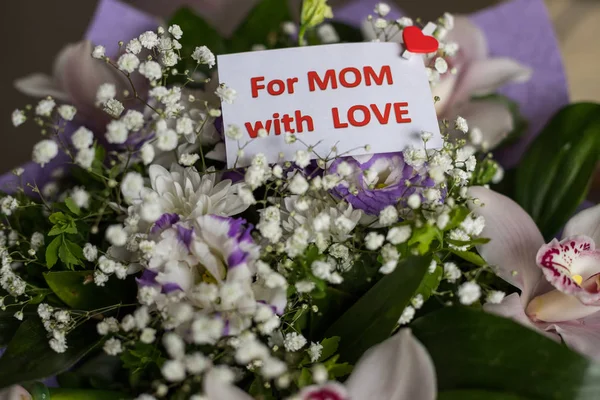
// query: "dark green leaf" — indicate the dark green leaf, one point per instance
point(305, 378)
point(554, 175)
point(70, 253)
point(78, 291)
point(82, 394)
point(52, 252)
point(261, 25)
point(430, 283)
point(330, 346)
point(472, 349)
point(29, 357)
point(373, 317)
point(478, 395)
point(197, 32)
point(471, 257)
point(74, 208)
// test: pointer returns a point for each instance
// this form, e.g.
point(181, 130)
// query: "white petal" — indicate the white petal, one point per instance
point(587, 223)
point(556, 306)
point(484, 77)
point(216, 389)
point(492, 117)
point(398, 369)
point(40, 85)
point(515, 241)
point(470, 39)
point(581, 336)
point(15, 392)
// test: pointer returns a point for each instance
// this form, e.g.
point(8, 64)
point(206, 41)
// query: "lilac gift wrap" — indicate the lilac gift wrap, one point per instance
point(113, 21)
point(518, 29)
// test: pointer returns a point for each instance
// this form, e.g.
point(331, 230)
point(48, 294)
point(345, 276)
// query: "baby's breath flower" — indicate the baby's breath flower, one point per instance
point(374, 240)
point(203, 55)
point(151, 70)
point(147, 153)
point(116, 132)
point(461, 124)
point(495, 297)
point(67, 112)
point(85, 158)
point(226, 94)
point(99, 52)
point(81, 197)
point(90, 252)
point(45, 151)
point(114, 108)
point(149, 40)
point(18, 118)
point(407, 315)
point(388, 216)
point(113, 347)
point(82, 138)
point(441, 65)
point(176, 31)
point(116, 235)
point(128, 62)
point(45, 107)
point(294, 341)
point(106, 92)
point(382, 9)
point(298, 185)
point(451, 272)
point(469, 293)
point(134, 46)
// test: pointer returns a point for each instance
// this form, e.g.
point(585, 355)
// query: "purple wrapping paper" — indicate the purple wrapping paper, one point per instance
point(518, 29)
point(112, 22)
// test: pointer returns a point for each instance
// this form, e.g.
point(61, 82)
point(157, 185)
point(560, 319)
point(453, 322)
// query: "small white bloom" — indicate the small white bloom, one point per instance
point(226, 94)
point(289, 28)
point(99, 52)
point(441, 65)
point(298, 185)
point(495, 297)
point(113, 347)
point(8, 205)
point(476, 136)
point(294, 341)
point(116, 235)
point(404, 21)
point(414, 201)
point(302, 158)
point(131, 185)
point(167, 140)
point(116, 132)
point(67, 112)
point(105, 92)
point(451, 272)
point(374, 240)
point(133, 120)
point(176, 31)
point(327, 34)
point(82, 138)
point(19, 315)
point(407, 315)
point(114, 108)
point(90, 252)
point(18, 118)
point(148, 335)
point(45, 107)
point(399, 234)
point(382, 9)
point(196, 363)
point(314, 352)
point(151, 70)
point(233, 132)
point(173, 370)
point(44, 151)
point(85, 157)
point(134, 46)
point(188, 160)
point(469, 293)
point(128, 62)
point(380, 23)
point(202, 55)
point(149, 40)
point(147, 153)
point(461, 124)
point(388, 216)
point(417, 301)
point(305, 286)
point(81, 197)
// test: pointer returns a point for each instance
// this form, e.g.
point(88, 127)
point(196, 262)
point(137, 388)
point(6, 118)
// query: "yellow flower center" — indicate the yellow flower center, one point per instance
point(578, 279)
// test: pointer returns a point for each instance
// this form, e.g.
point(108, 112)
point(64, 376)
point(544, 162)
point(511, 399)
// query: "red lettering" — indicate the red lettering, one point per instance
point(315, 79)
point(277, 124)
point(254, 82)
point(290, 84)
point(271, 87)
point(400, 112)
point(258, 125)
point(352, 115)
point(335, 112)
point(300, 119)
point(287, 120)
point(385, 118)
point(357, 77)
point(385, 73)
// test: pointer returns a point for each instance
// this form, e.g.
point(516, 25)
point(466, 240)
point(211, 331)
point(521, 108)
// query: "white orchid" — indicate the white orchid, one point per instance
point(559, 281)
point(398, 369)
point(15, 392)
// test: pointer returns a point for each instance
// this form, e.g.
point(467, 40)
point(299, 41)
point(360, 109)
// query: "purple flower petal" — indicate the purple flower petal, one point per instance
point(164, 222)
point(148, 278)
point(185, 235)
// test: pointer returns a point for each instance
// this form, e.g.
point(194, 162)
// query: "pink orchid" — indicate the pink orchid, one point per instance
point(559, 281)
point(398, 369)
point(15, 392)
point(75, 80)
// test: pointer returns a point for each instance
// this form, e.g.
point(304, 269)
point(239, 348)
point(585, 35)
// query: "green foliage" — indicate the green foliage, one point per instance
point(474, 350)
point(430, 283)
point(423, 237)
point(78, 291)
point(29, 357)
point(142, 361)
point(373, 317)
point(62, 224)
point(553, 178)
point(478, 395)
point(79, 394)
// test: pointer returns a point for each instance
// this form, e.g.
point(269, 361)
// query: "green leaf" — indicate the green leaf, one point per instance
point(373, 317)
point(29, 357)
point(82, 394)
point(305, 378)
point(472, 350)
point(423, 236)
point(430, 283)
point(554, 176)
point(74, 208)
point(261, 25)
point(52, 252)
point(70, 253)
point(471, 257)
point(330, 346)
point(478, 395)
point(78, 291)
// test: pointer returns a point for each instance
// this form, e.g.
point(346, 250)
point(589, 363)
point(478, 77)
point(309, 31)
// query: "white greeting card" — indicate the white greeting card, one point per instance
point(343, 95)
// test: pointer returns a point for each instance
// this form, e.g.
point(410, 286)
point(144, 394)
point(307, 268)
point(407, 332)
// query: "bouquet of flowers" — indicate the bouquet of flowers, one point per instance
point(136, 265)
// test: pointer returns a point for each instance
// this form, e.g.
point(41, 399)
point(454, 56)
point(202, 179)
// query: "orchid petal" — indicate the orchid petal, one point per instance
point(484, 77)
point(515, 240)
point(470, 39)
point(582, 337)
point(443, 90)
point(397, 369)
point(556, 306)
point(15, 392)
point(40, 85)
point(587, 222)
point(492, 117)
point(216, 389)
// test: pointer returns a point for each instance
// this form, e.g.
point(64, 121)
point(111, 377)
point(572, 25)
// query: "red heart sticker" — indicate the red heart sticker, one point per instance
point(416, 42)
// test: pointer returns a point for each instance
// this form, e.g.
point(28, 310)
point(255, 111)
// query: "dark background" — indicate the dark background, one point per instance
point(34, 31)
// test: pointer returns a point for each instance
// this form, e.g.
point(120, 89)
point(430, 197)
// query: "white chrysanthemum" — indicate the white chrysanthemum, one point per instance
point(45, 151)
point(185, 192)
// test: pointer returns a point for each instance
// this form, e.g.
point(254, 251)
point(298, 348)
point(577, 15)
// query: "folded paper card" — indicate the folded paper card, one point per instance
point(362, 98)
